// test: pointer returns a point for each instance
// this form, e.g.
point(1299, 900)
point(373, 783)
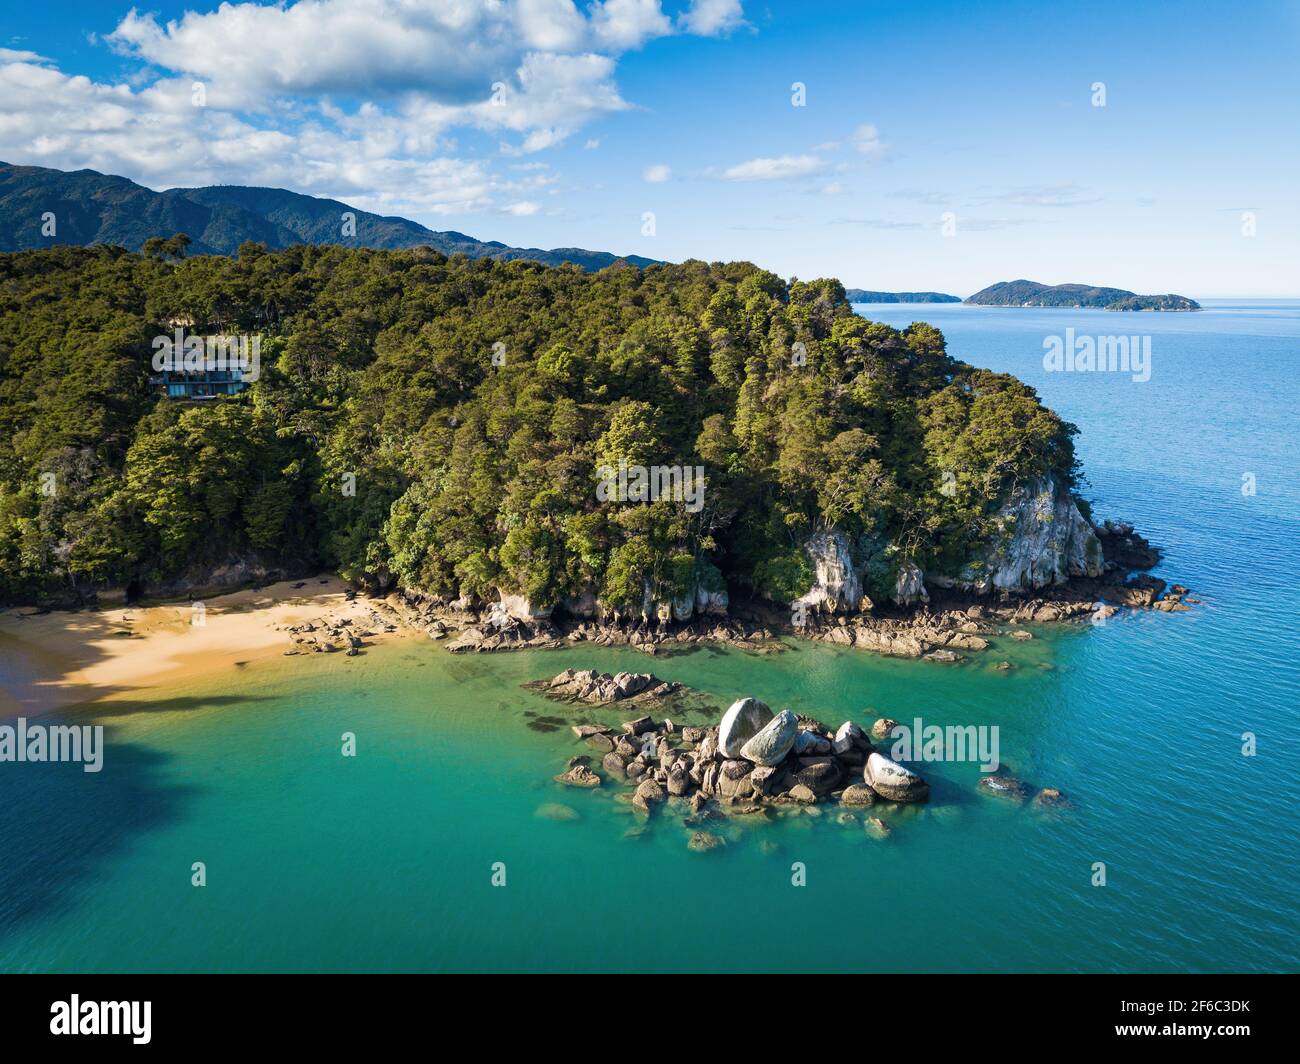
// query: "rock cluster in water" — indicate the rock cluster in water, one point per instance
point(752, 759)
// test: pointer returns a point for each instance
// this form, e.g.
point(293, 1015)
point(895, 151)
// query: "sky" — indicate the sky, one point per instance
point(897, 146)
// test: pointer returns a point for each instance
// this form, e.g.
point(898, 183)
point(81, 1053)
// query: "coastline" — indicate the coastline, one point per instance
point(58, 658)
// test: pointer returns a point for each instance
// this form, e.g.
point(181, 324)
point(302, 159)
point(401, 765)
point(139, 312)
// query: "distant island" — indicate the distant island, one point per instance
point(1033, 294)
point(861, 295)
point(88, 208)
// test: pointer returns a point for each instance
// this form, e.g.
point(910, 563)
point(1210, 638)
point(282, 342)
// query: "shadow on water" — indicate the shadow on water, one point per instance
point(62, 828)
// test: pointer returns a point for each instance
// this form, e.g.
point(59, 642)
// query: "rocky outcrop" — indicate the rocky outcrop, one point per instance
point(1042, 541)
point(837, 579)
point(601, 687)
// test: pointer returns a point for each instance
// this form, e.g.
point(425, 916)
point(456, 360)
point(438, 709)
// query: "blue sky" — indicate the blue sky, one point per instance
point(545, 123)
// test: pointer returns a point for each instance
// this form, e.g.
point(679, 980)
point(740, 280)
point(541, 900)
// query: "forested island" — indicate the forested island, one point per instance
point(1033, 294)
point(454, 428)
point(862, 295)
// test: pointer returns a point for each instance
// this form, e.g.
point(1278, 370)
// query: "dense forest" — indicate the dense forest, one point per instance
point(439, 422)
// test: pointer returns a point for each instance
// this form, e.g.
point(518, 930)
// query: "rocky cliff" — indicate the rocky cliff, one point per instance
point(1041, 540)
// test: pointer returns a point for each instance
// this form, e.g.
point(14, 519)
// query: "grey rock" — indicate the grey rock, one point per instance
point(743, 720)
point(771, 744)
point(858, 794)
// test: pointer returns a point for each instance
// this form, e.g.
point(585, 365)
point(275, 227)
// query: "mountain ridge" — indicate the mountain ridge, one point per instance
point(90, 207)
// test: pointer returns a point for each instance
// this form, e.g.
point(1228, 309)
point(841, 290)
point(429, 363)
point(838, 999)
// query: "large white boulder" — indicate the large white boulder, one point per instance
point(891, 780)
point(742, 721)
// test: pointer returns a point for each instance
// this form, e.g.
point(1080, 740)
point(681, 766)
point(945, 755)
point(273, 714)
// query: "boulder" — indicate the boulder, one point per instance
point(858, 794)
point(1051, 798)
point(803, 795)
point(820, 775)
point(771, 744)
point(648, 794)
point(600, 742)
point(742, 721)
point(639, 726)
point(847, 737)
point(891, 780)
point(679, 782)
point(578, 776)
point(613, 764)
point(809, 742)
point(881, 729)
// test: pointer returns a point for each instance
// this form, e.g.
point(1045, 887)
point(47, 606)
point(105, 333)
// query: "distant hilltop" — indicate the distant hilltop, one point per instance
point(1033, 294)
point(861, 295)
point(87, 207)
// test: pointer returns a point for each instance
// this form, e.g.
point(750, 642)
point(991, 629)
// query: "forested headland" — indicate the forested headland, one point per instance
point(441, 423)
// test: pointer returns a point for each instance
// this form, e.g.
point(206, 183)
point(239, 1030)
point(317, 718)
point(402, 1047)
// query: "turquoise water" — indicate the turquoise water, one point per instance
point(384, 861)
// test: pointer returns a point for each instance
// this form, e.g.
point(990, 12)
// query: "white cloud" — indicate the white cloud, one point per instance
point(522, 209)
point(356, 99)
point(712, 18)
point(657, 174)
point(774, 169)
point(866, 138)
point(627, 24)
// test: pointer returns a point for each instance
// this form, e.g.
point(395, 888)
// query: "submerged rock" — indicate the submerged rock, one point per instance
point(557, 811)
point(704, 842)
point(1051, 798)
point(1004, 787)
point(877, 828)
point(578, 776)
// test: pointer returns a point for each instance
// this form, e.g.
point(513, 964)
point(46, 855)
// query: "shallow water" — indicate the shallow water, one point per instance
point(384, 861)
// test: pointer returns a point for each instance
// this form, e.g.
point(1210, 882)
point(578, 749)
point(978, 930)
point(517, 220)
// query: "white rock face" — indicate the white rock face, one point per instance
point(1046, 541)
point(742, 721)
point(518, 607)
point(909, 585)
point(837, 586)
point(711, 602)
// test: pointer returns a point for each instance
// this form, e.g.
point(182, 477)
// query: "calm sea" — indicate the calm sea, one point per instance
point(385, 861)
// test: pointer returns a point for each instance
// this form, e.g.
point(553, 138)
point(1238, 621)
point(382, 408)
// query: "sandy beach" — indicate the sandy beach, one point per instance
point(61, 658)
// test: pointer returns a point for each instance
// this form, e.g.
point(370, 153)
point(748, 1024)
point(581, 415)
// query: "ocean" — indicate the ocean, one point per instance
point(445, 845)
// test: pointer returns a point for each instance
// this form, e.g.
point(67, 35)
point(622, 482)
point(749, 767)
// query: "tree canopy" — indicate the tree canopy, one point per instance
point(441, 422)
